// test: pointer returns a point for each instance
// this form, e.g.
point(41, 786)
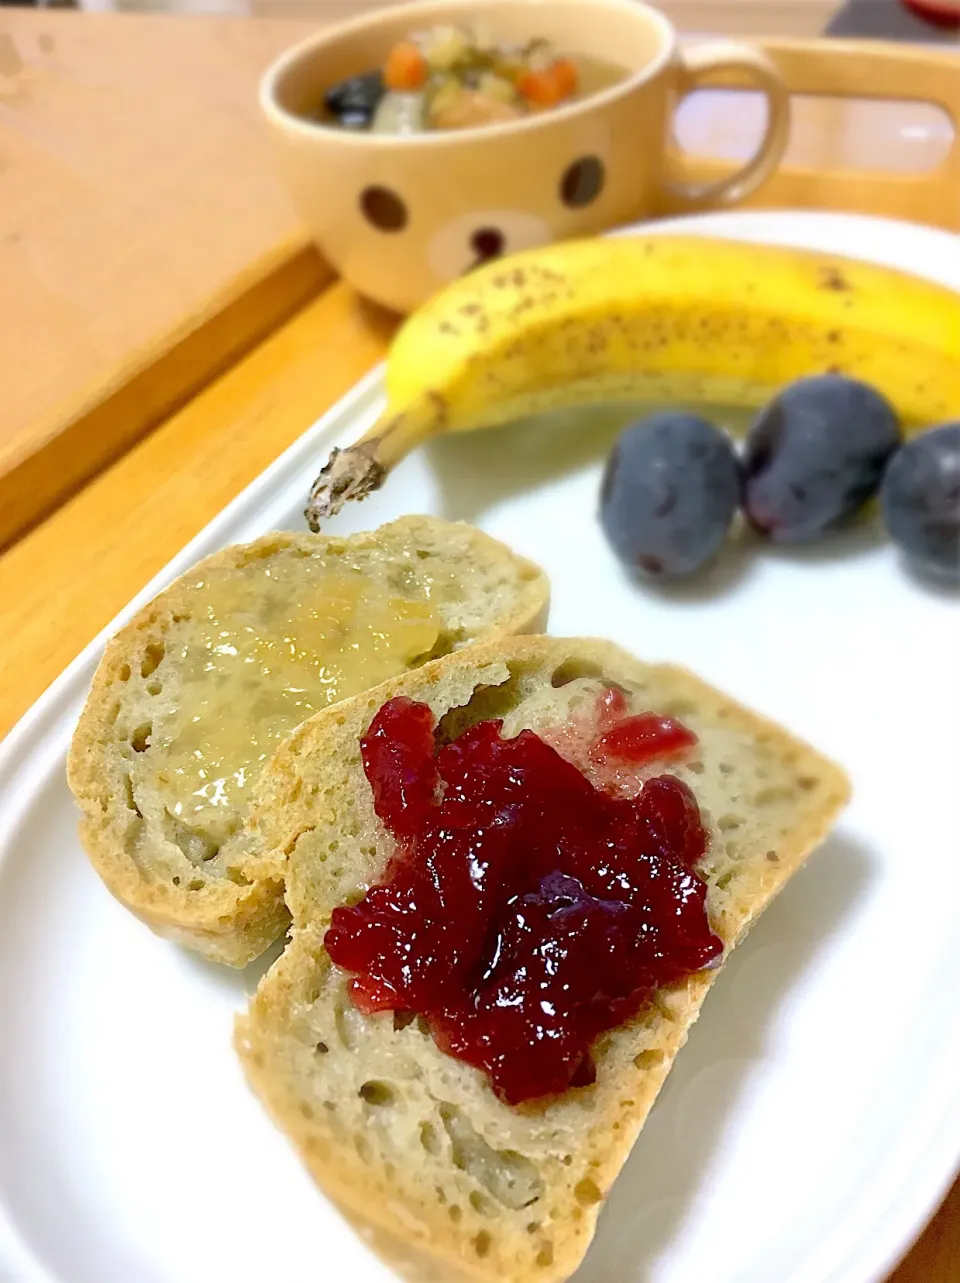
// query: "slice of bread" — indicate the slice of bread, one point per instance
point(446, 1181)
point(192, 695)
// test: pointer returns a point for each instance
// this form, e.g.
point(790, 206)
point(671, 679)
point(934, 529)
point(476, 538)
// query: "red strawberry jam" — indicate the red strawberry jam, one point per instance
point(526, 911)
point(644, 739)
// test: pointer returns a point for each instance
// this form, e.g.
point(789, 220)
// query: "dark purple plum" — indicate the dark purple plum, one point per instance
point(670, 491)
point(815, 455)
point(920, 501)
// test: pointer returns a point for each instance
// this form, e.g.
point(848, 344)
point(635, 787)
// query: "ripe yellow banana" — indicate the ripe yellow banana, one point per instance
point(660, 318)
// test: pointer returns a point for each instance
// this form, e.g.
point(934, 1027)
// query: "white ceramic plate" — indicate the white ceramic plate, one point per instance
point(813, 1119)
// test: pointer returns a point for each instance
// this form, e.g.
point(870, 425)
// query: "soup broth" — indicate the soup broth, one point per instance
point(451, 78)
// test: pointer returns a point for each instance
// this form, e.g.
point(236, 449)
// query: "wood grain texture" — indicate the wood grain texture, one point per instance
point(64, 580)
point(88, 439)
point(935, 1257)
point(732, 17)
point(138, 202)
point(842, 166)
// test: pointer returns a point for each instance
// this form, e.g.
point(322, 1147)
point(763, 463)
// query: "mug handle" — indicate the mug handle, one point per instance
point(713, 62)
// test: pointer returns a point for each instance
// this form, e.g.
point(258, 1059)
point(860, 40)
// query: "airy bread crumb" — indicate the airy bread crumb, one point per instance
point(200, 885)
point(444, 1180)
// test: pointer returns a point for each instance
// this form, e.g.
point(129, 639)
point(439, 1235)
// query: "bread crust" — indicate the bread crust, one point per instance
point(303, 997)
point(229, 921)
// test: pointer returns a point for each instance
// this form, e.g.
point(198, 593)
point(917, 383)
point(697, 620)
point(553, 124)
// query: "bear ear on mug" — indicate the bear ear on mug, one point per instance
point(400, 216)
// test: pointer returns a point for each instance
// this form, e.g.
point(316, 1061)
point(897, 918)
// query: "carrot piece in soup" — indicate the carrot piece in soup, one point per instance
point(549, 88)
point(565, 76)
point(406, 69)
point(539, 89)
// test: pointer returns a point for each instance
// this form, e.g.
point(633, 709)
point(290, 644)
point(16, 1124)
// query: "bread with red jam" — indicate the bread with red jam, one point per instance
point(169, 742)
point(447, 1161)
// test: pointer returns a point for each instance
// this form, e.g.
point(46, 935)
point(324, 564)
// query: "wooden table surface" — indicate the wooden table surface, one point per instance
point(111, 258)
point(63, 580)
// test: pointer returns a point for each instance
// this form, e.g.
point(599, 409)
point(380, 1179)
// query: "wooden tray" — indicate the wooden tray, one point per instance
point(108, 352)
point(847, 94)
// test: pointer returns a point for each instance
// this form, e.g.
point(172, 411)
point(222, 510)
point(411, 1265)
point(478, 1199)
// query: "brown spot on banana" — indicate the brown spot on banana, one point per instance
point(831, 278)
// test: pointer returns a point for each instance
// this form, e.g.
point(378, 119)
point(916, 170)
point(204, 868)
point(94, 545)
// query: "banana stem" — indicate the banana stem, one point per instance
point(362, 468)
